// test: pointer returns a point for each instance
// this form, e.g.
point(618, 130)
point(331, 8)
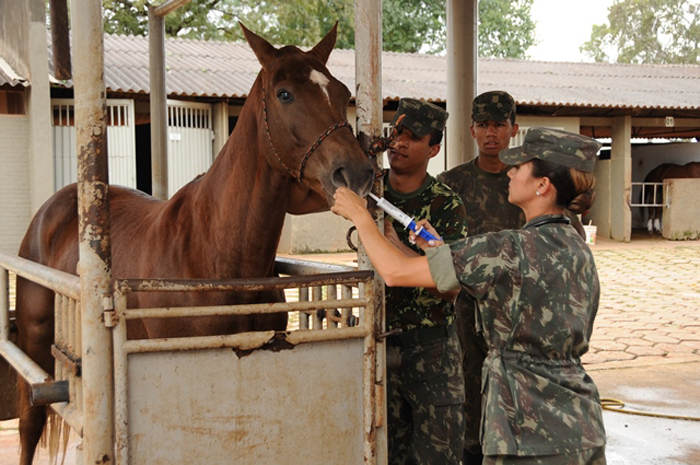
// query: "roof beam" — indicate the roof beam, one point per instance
point(642, 122)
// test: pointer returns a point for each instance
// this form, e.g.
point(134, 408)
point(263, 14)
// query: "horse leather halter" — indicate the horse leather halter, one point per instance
point(300, 174)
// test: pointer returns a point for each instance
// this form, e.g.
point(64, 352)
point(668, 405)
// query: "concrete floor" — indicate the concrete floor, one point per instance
point(666, 389)
point(645, 351)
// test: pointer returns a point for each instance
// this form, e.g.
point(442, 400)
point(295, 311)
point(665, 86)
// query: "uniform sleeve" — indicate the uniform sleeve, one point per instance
point(442, 268)
point(448, 216)
point(480, 262)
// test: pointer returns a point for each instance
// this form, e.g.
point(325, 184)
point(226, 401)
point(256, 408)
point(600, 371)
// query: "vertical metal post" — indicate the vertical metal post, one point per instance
point(368, 98)
point(159, 104)
point(462, 58)
point(159, 108)
point(94, 230)
point(60, 39)
point(4, 306)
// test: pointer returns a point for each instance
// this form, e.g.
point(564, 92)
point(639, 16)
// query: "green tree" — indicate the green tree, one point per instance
point(505, 28)
point(414, 25)
point(647, 31)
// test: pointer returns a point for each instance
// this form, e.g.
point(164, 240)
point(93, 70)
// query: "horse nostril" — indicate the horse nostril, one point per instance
point(339, 178)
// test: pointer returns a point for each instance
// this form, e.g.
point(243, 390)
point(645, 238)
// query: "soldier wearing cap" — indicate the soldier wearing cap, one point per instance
point(537, 290)
point(425, 388)
point(482, 183)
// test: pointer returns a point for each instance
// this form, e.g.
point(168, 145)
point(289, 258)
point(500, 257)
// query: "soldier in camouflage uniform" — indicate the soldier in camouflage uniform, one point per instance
point(482, 183)
point(424, 393)
point(538, 294)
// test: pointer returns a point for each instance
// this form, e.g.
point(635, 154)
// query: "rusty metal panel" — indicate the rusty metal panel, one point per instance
point(293, 406)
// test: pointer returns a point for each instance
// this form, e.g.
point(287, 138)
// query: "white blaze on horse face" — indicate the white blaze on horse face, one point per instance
point(319, 78)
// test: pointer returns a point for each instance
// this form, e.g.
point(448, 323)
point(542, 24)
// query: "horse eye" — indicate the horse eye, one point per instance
point(284, 96)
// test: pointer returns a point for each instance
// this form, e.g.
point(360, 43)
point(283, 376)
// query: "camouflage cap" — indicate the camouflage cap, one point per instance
point(555, 146)
point(495, 105)
point(421, 117)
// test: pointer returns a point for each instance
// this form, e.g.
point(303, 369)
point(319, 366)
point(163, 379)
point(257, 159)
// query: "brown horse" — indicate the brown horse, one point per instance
point(658, 174)
point(291, 148)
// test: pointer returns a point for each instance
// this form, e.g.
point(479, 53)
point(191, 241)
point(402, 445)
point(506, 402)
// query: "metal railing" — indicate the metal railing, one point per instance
point(336, 304)
point(62, 391)
point(642, 191)
point(350, 316)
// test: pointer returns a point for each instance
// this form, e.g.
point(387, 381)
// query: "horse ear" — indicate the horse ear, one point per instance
point(262, 48)
point(323, 49)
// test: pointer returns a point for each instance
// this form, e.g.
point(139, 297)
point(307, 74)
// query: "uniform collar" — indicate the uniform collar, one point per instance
point(546, 219)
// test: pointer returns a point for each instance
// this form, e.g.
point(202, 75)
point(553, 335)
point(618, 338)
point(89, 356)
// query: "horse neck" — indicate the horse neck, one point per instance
point(247, 198)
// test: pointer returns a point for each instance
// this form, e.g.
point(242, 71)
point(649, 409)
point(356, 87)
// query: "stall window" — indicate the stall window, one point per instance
point(12, 102)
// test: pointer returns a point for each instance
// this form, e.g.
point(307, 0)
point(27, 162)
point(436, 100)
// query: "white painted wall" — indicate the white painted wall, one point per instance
point(15, 192)
point(647, 157)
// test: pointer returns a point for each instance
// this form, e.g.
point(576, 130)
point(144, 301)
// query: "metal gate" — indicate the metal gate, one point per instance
point(190, 142)
point(311, 394)
point(121, 142)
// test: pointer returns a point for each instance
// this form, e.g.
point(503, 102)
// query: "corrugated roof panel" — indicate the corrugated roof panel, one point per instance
point(9, 76)
point(227, 69)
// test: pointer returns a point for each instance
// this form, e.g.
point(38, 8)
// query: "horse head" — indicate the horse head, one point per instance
point(304, 113)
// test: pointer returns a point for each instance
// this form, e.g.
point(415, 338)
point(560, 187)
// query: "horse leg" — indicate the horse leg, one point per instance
point(656, 216)
point(31, 425)
point(35, 333)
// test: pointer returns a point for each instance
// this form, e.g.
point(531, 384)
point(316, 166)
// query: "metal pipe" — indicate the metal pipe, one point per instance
point(60, 39)
point(462, 59)
point(243, 341)
point(158, 105)
point(4, 306)
point(94, 230)
point(23, 365)
point(49, 393)
point(58, 281)
point(121, 384)
point(296, 267)
point(71, 415)
point(240, 285)
point(249, 309)
point(169, 6)
point(368, 94)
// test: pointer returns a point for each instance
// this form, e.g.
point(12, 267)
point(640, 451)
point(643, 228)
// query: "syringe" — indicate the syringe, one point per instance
point(402, 218)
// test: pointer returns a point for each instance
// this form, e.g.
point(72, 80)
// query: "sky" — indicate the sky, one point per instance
point(563, 26)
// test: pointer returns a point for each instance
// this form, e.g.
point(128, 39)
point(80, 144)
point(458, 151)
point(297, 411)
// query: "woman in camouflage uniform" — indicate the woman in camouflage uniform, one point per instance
point(538, 295)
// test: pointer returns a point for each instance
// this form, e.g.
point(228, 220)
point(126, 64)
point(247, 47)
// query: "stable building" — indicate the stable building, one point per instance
point(644, 114)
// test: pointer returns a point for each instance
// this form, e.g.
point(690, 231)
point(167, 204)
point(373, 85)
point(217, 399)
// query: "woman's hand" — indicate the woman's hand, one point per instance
point(422, 243)
point(348, 205)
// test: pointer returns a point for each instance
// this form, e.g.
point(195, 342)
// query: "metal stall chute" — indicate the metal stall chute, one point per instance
point(293, 397)
point(312, 394)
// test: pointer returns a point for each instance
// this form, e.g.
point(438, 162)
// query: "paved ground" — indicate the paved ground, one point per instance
point(645, 351)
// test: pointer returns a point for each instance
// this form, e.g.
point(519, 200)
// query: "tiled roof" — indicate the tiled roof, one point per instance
point(225, 69)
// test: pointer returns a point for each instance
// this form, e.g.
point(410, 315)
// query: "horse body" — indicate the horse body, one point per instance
point(658, 174)
point(224, 224)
